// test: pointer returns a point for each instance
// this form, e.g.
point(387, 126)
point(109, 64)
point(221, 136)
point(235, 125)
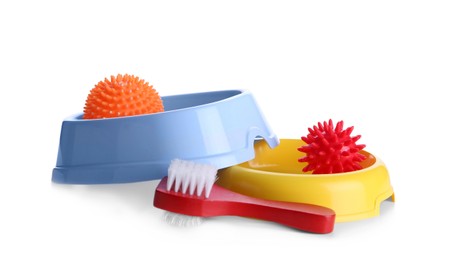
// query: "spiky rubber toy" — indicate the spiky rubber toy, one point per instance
point(331, 150)
point(119, 96)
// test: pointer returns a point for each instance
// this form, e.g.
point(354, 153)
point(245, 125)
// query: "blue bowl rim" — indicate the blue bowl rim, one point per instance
point(236, 93)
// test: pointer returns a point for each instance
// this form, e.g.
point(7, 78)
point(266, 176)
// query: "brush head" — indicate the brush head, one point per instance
point(190, 177)
point(331, 150)
point(120, 96)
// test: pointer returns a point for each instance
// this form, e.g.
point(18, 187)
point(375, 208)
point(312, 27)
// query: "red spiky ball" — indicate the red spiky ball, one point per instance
point(331, 150)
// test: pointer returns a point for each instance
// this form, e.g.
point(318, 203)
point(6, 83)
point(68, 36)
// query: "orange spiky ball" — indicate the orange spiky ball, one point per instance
point(331, 150)
point(120, 96)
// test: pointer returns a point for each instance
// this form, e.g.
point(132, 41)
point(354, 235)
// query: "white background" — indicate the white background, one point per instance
point(380, 66)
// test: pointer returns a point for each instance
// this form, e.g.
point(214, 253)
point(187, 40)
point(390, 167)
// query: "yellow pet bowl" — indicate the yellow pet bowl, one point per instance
point(276, 174)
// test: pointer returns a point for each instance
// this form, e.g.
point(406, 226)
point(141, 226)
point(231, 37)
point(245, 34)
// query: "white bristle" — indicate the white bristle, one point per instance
point(188, 176)
point(180, 220)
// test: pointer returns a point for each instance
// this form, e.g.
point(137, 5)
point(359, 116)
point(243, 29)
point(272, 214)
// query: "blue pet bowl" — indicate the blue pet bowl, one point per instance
point(217, 127)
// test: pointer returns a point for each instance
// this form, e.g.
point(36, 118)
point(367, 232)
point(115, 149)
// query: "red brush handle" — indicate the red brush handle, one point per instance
point(222, 202)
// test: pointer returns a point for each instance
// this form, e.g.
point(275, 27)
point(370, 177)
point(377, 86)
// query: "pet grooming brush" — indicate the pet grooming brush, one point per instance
point(189, 189)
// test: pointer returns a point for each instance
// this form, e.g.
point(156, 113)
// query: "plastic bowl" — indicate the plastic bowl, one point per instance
point(276, 174)
point(212, 127)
